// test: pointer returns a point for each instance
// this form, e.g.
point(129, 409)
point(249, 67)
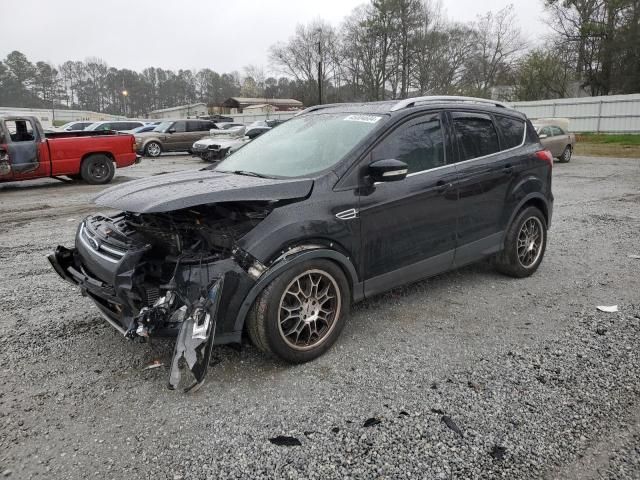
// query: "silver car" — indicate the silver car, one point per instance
point(556, 139)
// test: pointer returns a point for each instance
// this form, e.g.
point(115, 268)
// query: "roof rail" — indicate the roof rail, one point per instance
point(410, 102)
point(319, 107)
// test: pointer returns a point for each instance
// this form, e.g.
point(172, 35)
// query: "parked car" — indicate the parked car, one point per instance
point(74, 126)
point(27, 152)
point(219, 146)
point(557, 140)
point(336, 205)
point(116, 125)
point(172, 136)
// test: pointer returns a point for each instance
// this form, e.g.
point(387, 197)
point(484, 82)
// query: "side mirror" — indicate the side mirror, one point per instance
point(390, 170)
point(543, 135)
point(172, 130)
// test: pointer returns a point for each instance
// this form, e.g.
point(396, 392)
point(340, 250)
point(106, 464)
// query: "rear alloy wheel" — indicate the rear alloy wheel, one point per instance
point(566, 155)
point(97, 169)
point(152, 149)
point(302, 312)
point(524, 245)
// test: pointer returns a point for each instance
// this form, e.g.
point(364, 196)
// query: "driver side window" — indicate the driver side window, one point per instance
point(419, 143)
point(20, 130)
point(180, 126)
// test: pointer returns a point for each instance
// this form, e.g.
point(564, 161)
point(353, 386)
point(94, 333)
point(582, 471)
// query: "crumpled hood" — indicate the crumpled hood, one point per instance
point(174, 191)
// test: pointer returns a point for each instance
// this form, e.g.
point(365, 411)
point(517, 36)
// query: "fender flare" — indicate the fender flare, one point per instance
point(288, 262)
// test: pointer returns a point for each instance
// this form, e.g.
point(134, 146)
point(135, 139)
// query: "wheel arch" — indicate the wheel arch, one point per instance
point(285, 262)
point(532, 200)
point(155, 140)
point(107, 154)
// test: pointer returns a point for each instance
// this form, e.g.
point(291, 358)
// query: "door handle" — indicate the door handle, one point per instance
point(507, 169)
point(442, 186)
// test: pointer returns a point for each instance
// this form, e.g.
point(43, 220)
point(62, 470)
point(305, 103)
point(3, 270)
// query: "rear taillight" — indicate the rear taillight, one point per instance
point(545, 155)
point(133, 144)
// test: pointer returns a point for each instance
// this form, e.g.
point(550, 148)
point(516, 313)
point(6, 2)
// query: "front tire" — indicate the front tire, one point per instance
point(301, 313)
point(566, 155)
point(524, 245)
point(97, 169)
point(152, 149)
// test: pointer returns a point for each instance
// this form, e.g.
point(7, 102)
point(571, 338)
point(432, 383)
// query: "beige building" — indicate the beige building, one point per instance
point(193, 110)
point(241, 104)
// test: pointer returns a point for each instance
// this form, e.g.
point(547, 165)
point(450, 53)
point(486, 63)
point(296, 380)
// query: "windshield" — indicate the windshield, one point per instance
point(163, 127)
point(302, 146)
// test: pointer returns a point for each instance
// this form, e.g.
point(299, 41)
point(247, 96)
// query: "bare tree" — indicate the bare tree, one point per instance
point(312, 46)
point(497, 47)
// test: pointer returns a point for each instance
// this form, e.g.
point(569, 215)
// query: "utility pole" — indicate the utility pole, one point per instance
point(320, 68)
point(53, 101)
point(125, 93)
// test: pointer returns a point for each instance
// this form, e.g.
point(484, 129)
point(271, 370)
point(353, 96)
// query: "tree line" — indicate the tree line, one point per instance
point(93, 85)
point(384, 49)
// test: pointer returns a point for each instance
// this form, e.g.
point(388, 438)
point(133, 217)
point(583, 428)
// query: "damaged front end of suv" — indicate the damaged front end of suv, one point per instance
point(171, 263)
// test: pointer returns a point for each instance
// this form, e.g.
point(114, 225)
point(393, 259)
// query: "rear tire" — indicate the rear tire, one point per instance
point(301, 313)
point(152, 149)
point(566, 155)
point(97, 169)
point(524, 244)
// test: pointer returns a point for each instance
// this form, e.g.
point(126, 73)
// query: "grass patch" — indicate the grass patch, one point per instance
point(607, 150)
point(630, 139)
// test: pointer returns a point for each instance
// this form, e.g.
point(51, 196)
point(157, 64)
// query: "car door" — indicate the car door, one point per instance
point(485, 171)
point(547, 140)
point(24, 149)
point(197, 129)
point(178, 138)
point(560, 140)
point(408, 226)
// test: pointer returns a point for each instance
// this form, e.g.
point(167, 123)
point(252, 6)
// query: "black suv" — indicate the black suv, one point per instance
point(338, 204)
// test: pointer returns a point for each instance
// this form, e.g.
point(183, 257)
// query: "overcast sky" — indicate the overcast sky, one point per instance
point(224, 35)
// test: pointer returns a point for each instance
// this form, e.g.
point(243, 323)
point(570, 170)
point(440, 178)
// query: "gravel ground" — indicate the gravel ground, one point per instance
point(466, 375)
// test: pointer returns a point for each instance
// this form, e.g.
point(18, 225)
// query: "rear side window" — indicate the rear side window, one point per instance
point(476, 135)
point(556, 131)
point(196, 126)
point(418, 143)
point(512, 131)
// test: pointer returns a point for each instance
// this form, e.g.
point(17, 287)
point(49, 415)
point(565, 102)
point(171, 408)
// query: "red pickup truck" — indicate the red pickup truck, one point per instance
point(26, 152)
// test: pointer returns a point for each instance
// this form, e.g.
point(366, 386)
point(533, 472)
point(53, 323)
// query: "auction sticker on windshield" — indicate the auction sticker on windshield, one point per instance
point(362, 118)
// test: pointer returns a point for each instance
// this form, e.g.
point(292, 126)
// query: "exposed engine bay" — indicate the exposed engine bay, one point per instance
point(164, 273)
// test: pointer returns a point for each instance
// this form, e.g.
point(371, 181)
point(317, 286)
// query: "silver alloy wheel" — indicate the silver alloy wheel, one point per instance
point(308, 310)
point(566, 155)
point(154, 149)
point(530, 240)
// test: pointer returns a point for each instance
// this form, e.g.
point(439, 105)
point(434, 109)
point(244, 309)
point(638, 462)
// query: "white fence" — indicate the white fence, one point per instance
point(610, 114)
point(46, 115)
